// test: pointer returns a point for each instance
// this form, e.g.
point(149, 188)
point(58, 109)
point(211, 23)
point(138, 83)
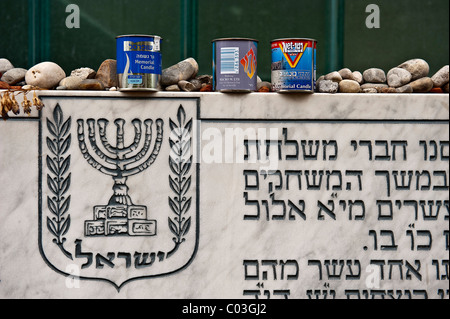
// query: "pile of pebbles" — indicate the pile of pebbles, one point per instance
point(182, 76)
point(49, 75)
point(411, 76)
point(11, 76)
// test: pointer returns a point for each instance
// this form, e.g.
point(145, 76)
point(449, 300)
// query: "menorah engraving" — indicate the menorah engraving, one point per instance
point(120, 217)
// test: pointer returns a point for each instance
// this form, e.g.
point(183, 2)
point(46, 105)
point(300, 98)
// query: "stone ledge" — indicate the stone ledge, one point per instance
point(269, 106)
point(329, 186)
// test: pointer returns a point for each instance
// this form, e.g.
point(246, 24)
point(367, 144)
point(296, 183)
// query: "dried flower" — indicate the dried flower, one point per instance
point(6, 102)
point(15, 106)
point(37, 102)
point(26, 104)
point(3, 110)
point(4, 115)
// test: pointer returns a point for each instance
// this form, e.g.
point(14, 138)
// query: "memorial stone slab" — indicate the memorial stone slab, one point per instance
point(226, 196)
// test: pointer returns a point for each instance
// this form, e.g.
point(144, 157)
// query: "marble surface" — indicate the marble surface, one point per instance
point(288, 197)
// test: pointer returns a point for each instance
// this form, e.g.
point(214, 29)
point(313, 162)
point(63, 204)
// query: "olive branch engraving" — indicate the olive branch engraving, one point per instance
point(180, 162)
point(58, 180)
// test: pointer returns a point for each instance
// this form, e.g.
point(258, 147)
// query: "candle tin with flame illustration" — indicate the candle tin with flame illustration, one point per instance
point(294, 65)
point(139, 62)
point(235, 64)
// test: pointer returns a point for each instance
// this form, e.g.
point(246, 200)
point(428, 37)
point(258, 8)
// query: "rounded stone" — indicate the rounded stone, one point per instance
point(206, 79)
point(418, 68)
point(370, 90)
point(374, 86)
point(333, 76)
point(27, 87)
point(422, 85)
point(320, 79)
point(264, 84)
point(441, 77)
point(388, 90)
point(182, 71)
point(84, 73)
point(374, 75)
point(445, 88)
point(349, 86)
point(71, 82)
point(14, 76)
point(346, 74)
point(45, 75)
point(405, 89)
point(328, 86)
point(398, 77)
point(173, 88)
point(107, 73)
point(92, 84)
point(358, 77)
point(5, 65)
point(186, 86)
point(197, 84)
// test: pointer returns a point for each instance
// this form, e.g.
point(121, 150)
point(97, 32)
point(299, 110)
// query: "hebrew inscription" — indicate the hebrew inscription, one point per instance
point(356, 210)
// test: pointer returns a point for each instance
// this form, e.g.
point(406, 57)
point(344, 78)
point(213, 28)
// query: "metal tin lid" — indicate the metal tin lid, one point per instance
point(294, 39)
point(139, 36)
point(235, 39)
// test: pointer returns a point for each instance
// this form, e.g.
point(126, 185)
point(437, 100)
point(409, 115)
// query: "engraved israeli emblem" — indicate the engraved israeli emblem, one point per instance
point(119, 187)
